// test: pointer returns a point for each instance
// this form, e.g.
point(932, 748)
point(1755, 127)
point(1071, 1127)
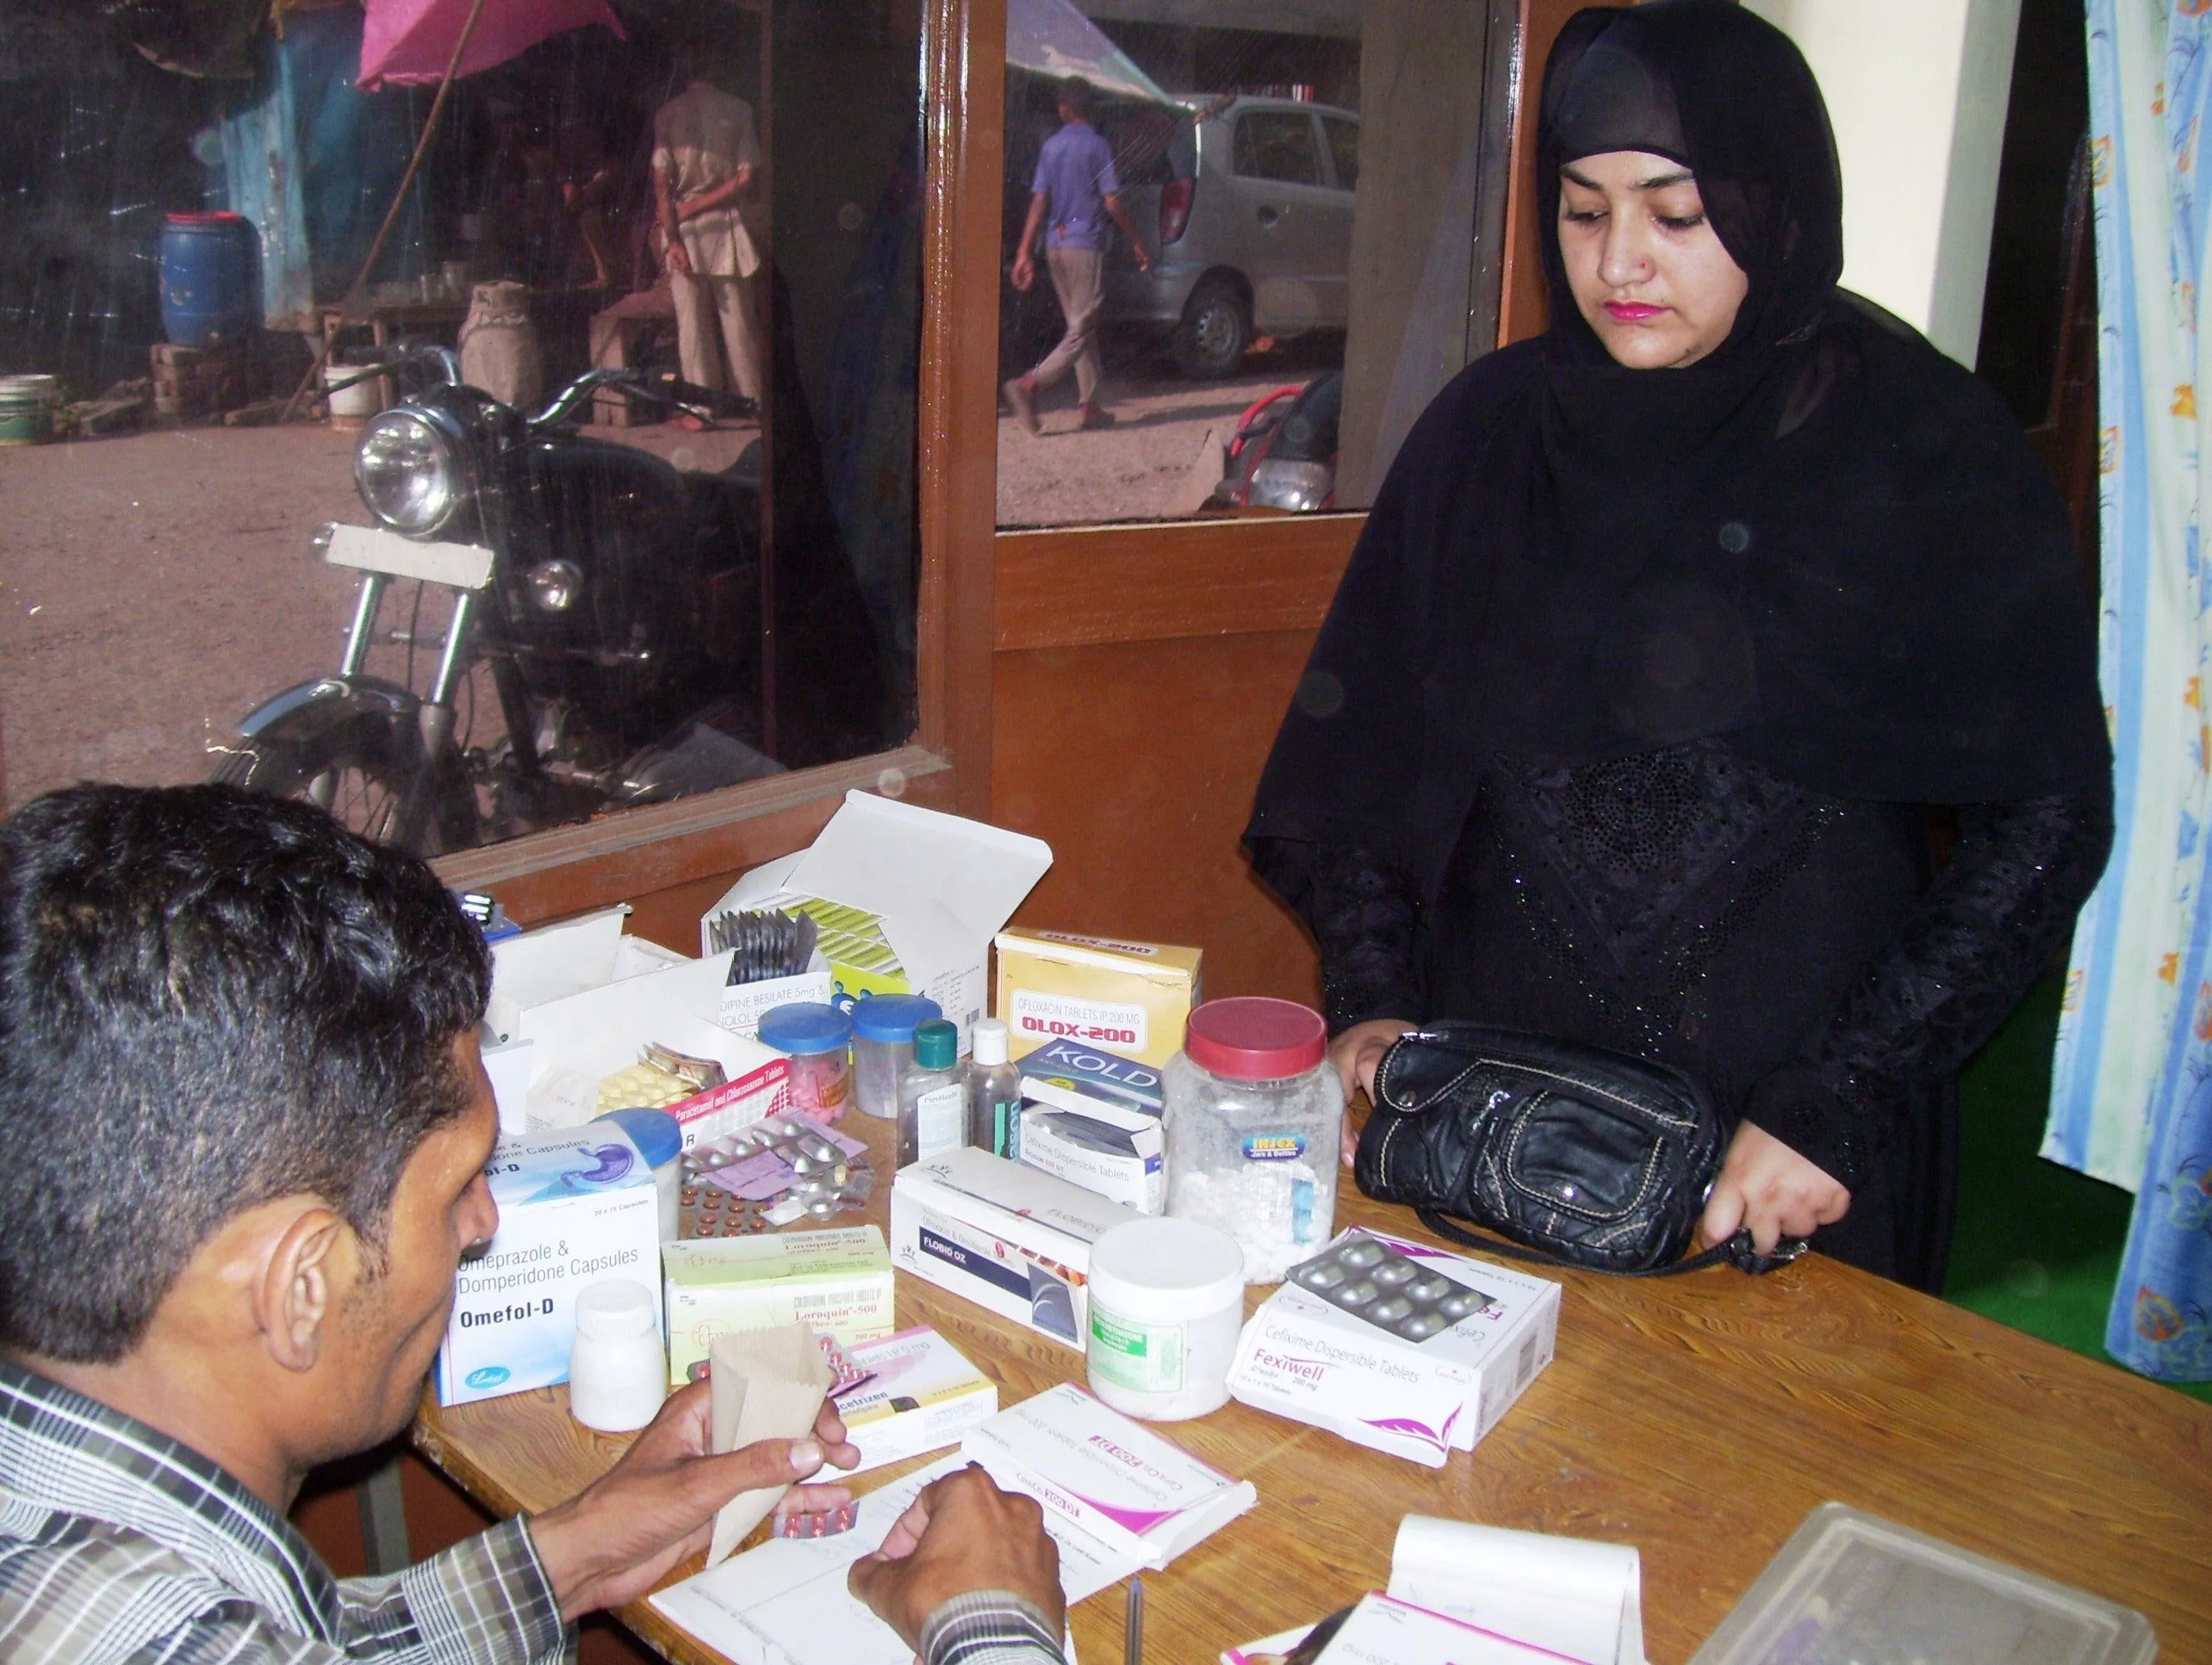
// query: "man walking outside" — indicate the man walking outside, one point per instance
point(1075, 193)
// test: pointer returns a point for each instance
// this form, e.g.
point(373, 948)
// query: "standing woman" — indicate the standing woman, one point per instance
point(1664, 631)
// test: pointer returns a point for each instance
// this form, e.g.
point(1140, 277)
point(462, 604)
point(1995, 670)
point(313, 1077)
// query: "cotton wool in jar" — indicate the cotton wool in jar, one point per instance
point(1253, 1114)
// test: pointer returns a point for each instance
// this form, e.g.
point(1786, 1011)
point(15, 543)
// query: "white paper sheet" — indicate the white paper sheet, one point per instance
point(1571, 1595)
point(786, 1603)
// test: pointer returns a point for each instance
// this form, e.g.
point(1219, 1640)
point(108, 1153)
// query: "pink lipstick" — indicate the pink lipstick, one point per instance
point(1631, 312)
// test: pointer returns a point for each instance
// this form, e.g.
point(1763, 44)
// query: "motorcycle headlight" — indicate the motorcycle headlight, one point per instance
point(408, 473)
point(1277, 483)
point(554, 585)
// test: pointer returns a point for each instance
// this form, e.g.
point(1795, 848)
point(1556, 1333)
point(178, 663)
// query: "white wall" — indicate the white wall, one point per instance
point(1916, 91)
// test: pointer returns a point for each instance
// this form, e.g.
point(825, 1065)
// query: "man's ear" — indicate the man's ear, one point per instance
point(300, 1285)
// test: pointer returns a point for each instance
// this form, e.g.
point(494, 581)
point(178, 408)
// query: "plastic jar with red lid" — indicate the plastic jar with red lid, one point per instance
point(1253, 1114)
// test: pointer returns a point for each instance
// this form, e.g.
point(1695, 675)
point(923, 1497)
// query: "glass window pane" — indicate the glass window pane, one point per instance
point(702, 572)
point(1272, 144)
point(1293, 314)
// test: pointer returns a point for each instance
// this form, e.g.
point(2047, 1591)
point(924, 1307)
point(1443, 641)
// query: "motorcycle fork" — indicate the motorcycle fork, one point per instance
point(365, 606)
point(435, 714)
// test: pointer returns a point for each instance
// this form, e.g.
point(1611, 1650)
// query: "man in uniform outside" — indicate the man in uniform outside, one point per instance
point(1073, 194)
point(706, 157)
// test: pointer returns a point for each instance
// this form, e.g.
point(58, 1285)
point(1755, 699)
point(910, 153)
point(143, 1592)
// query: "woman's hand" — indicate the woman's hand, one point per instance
point(1356, 1053)
point(1768, 1187)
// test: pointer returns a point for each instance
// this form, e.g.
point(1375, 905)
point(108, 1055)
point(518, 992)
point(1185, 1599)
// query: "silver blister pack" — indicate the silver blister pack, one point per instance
point(780, 1169)
point(1389, 1289)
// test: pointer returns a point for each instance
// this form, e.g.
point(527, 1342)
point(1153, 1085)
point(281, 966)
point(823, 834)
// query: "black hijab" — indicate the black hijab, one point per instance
point(1823, 541)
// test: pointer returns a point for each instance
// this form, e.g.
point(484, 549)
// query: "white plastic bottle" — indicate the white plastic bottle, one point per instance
point(994, 1092)
point(618, 1368)
point(932, 1100)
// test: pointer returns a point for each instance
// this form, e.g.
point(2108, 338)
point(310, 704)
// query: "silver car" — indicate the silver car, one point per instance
point(1253, 230)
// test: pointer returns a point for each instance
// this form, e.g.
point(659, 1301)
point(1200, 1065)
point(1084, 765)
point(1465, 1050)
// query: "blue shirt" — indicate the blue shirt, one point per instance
point(1075, 175)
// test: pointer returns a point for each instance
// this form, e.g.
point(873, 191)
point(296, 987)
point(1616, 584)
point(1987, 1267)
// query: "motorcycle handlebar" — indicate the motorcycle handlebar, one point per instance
point(637, 384)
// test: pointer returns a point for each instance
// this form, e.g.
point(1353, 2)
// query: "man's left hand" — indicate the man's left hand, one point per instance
point(1768, 1187)
point(620, 1535)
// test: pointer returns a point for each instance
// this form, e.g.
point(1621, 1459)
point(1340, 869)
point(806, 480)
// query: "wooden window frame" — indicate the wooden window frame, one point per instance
point(982, 591)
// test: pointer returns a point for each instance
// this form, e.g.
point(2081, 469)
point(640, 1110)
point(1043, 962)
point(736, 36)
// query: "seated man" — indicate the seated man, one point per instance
point(243, 1126)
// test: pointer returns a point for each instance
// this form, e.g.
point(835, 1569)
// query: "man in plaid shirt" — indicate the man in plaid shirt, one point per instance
point(243, 1126)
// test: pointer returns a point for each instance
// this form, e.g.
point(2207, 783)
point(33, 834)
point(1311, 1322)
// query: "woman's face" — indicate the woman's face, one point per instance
point(1648, 272)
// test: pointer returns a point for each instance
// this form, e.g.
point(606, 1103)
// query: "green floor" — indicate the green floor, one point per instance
point(2037, 1245)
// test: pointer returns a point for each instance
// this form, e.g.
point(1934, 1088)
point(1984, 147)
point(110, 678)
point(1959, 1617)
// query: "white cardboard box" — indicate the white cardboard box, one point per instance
point(573, 1003)
point(923, 1395)
point(837, 1282)
point(1118, 1158)
point(1108, 1476)
point(1305, 1359)
point(1003, 1235)
point(926, 889)
point(573, 1208)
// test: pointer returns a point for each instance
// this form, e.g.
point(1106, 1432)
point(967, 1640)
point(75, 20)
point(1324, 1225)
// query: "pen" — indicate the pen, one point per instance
point(1133, 1644)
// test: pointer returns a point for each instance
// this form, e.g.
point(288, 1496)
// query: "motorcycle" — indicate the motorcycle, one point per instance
point(634, 629)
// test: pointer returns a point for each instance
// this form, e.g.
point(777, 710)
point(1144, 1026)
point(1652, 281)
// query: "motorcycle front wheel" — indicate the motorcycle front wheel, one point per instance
point(352, 770)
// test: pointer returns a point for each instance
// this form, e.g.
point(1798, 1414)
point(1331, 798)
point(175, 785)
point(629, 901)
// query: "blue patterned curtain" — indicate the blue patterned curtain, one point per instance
point(2131, 1085)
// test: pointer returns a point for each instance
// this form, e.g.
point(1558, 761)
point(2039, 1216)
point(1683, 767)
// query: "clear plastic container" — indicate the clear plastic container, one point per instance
point(1167, 1302)
point(1253, 1114)
point(994, 1091)
point(1852, 1586)
point(883, 1046)
point(818, 1040)
point(932, 1112)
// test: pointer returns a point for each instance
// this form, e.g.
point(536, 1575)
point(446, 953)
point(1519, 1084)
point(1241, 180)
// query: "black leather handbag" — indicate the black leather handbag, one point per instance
point(1579, 1155)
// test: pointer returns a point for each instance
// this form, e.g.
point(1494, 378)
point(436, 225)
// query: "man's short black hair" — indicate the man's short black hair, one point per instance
point(1075, 97)
point(208, 1001)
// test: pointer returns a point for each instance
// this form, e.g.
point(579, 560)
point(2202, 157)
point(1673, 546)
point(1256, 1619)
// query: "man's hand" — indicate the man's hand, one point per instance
point(1356, 1053)
point(1025, 272)
point(1766, 1185)
point(963, 1534)
point(620, 1536)
point(676, 260)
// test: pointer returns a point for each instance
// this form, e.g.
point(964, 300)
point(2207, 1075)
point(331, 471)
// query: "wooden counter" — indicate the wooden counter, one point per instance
point(1699, 1419)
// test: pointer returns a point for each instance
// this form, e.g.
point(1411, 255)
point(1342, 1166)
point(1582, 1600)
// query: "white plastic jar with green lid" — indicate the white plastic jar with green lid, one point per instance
point(1166, 1304)
point(1253, 1114)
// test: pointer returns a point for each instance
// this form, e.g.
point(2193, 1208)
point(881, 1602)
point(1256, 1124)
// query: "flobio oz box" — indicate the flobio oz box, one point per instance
point(1305, 1359)
point(1003, 1235)
point(574, 1207)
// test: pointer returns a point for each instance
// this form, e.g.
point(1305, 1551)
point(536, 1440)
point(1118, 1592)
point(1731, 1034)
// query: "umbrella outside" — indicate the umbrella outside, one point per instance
point(412, 41)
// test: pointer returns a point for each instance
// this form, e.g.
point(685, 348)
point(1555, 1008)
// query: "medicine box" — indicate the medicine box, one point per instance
point(905, 898)
point(838, 1283)
point(1305, 1359)
point(1120, 1161)
point(1109, 1477)
point(1132, 998)
point(573, 1003)
point(921, 1394)
point(574, 1207)
point(1005, 1236)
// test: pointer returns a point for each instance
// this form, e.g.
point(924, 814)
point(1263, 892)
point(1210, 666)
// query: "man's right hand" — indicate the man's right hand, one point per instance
point(963, 1534)
point(1025, 271)
point(676, 260)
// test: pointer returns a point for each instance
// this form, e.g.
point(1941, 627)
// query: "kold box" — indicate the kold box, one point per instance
point(575, 1003)
point(1003, 1235)
point(905, 899)
point(575, 1207)
point(837, 1282)
point(1131, 998)
point(1309, 1359)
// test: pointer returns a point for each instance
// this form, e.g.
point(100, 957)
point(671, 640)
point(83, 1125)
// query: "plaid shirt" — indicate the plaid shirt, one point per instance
point(118, 1543)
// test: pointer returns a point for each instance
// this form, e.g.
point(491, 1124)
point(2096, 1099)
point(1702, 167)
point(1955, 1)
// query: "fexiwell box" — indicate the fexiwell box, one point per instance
point(574, 1207)
point(1306, 1357)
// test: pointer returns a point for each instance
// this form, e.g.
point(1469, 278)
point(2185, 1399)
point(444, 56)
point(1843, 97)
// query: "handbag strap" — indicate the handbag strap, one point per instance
point(1737, 1251)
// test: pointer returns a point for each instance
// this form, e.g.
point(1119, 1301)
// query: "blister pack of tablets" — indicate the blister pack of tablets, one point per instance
point(1388, 1289)
point(781, 1169)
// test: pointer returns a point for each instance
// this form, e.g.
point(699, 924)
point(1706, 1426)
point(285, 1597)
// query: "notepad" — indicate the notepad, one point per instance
point(1572, 1596)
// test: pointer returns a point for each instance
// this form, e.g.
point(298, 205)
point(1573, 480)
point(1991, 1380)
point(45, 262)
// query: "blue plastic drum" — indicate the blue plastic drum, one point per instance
point(210, 292)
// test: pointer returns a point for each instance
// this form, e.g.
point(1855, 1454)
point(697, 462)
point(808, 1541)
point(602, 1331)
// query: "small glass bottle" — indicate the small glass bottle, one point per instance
point(933, 1101)
point(994, 1092)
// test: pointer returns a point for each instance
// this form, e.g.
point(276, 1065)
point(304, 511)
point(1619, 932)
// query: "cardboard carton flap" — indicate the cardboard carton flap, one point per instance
point(942, 883)
point(552, 964)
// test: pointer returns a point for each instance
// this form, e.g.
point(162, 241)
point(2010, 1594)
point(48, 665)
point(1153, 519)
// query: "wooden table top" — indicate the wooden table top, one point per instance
point(1699, 1419)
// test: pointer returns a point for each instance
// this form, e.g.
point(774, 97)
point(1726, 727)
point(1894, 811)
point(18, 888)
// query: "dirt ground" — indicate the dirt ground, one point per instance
point(1162, 454)
point(156, 587)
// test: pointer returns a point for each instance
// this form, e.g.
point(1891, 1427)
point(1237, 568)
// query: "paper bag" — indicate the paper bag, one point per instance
point(765, 1384)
